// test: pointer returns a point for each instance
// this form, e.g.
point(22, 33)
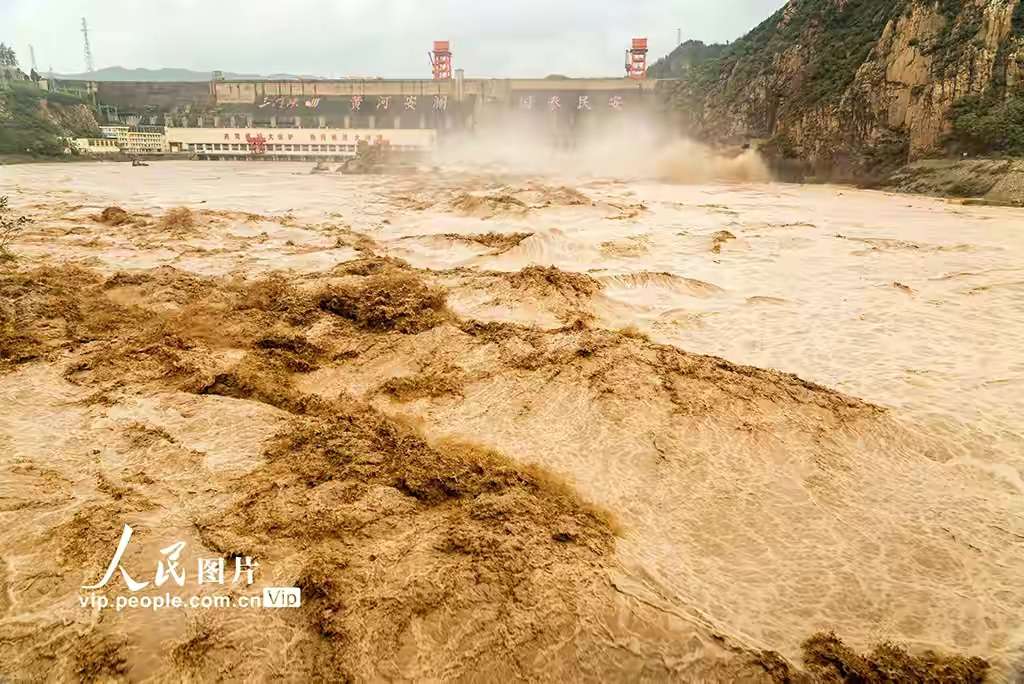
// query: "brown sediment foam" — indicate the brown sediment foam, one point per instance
point(273, 295)
point(539, 295)
point(828, 659)
point(497, 243)
point(633, 246)
point(627, 211)
point(431, 383)
point(44, 309)
point(500, 242)
point(513, 200)
point(114, 216)
point(295, 352)
point(190, 654)
point(245, 316)
point(719, 239)
point(488, 206)
point(178, 219)
point(175, 221)
point(883, 243)
point(698, 288)
point(245, 216)
point(357, 241)
point(764, 299)
point(370, 265)
point(413, 203)
point(144, 232)
point(264, 378)
point(387, 301)
point(99, 657)
point(548, 279)
point(390, 534)
point(556, 196)
point(508, 548)
point(80, 539)
point(370, 508)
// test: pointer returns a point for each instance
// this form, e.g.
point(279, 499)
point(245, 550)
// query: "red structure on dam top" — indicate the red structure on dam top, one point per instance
point(636, 59)
point(441, 60)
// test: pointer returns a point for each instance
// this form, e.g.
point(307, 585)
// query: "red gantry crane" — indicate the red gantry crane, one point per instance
point(636, 59)
point(441, 60)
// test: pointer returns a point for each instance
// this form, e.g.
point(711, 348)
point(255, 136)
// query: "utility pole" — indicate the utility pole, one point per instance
point(88, 51)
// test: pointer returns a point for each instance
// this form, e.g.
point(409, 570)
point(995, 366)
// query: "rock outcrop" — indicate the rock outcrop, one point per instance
point(846, 88)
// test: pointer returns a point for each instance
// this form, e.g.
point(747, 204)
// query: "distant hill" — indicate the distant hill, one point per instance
point(117, 73)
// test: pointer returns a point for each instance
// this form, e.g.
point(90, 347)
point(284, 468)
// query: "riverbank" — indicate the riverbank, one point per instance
point(993, 182)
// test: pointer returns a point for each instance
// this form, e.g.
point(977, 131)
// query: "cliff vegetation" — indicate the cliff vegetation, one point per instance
point(845, 89)
point(38, 123)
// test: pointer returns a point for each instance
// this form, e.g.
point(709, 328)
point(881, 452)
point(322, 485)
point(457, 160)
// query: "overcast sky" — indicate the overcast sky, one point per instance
point(387, 38)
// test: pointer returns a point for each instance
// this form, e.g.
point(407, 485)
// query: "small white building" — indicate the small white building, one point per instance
point(150, 140)
point(293, 143)
point(114, 132)
point(136, 140)
point(96, 146)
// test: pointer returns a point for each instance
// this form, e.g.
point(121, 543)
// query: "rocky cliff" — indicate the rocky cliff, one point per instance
point(845, 88)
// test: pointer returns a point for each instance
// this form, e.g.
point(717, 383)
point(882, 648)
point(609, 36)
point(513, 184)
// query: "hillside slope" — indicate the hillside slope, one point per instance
point(848, 88)
point(690, 54)
point(34, 122)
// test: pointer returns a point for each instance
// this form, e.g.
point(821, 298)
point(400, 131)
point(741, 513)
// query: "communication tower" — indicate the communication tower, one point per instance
point(89, 67)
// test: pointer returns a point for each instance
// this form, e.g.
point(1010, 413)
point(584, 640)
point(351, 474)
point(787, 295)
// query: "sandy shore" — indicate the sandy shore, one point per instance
point(506, 426)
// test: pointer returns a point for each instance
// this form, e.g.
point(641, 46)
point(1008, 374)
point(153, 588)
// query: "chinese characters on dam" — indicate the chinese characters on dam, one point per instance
point(439, 103)
point(581, 103)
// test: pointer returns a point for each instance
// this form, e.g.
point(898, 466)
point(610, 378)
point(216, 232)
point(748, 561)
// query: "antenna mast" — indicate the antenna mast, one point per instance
point(88, 51)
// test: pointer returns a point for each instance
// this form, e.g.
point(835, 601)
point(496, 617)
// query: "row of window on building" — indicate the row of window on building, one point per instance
point(312, 136)
point(242, 147)
point(112, 146)
point(148, 140)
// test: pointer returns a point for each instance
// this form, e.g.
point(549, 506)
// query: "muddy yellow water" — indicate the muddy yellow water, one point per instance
point(765, 520)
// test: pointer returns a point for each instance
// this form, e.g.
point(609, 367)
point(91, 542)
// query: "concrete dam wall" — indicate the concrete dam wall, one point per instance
point(376, 103)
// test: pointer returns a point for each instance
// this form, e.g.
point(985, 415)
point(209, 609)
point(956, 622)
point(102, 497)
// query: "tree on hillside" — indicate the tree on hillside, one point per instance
point(7, 56)
point(989, 124)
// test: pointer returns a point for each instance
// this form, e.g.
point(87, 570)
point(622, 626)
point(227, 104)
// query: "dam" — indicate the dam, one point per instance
point(245, 119)
point(364, 103)
point(240, 118)
point(214, 118)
